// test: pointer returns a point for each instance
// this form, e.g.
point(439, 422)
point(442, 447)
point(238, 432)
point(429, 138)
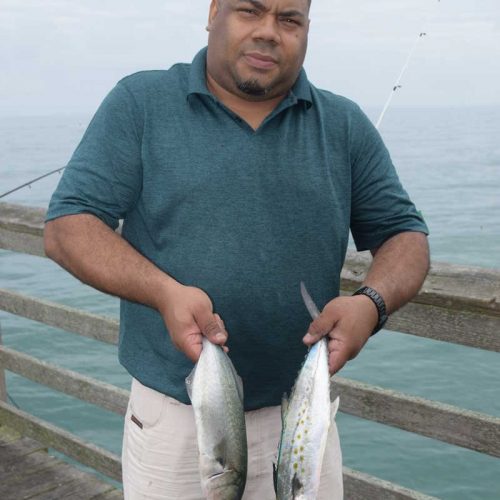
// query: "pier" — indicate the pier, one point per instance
point(457, 304)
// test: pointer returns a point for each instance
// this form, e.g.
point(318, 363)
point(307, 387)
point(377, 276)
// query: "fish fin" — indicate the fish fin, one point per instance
point(312, 308)
point(284, 407)
point(297, 486)
point(239, 386)
point(189, 383)
point(334, 407)
point(237, 378)
point(275, 478)
point(190, 378)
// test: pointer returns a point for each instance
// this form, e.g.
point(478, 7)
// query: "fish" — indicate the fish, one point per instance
point(306, 418)
point(216, 393)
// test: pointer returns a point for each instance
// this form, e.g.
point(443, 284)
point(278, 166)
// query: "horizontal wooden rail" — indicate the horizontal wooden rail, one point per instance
point(447, 423)
point(21, 229)
point(454, 287)
point(86, 453)
point(465, 428)
point(466, 328)
point(461, 288)
point(361, 486)
point(93, 391)
point(70, 319)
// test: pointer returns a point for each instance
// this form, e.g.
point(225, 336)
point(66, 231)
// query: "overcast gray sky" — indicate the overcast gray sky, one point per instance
point(65, 55)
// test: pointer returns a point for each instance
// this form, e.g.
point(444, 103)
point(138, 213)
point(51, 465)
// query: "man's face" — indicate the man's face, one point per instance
point(256, 47)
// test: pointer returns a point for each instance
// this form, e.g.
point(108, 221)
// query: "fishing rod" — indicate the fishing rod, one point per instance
point(397, 85)
point(32, 181)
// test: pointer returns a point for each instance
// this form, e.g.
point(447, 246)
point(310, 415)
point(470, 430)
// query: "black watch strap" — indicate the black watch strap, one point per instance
point(379, 303)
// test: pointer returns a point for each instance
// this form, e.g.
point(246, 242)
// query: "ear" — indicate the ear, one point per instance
point(212, 13)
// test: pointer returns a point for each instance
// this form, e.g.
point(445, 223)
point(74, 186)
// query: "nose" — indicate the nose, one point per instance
point(267, 29)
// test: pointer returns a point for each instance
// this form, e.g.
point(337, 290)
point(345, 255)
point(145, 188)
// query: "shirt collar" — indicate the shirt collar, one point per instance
point(300, 91)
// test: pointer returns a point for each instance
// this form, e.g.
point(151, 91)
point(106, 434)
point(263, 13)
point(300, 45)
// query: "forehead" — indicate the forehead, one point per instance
point(301, 6)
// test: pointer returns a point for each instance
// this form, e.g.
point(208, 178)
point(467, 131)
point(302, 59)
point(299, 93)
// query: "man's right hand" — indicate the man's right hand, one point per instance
point(188, 314)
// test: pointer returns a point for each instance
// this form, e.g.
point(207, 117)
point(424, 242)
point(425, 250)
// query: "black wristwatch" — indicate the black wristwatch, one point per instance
point(379, 303)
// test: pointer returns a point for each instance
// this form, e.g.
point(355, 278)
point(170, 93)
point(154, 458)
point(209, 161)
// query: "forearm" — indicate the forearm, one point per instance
point(399, 268)
point(96, 255)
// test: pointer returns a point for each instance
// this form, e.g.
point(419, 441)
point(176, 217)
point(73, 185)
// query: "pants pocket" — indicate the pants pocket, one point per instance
point(146, 405)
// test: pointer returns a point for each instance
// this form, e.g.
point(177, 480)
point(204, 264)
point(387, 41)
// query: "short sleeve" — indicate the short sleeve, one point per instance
point(380, 207)
point(104, 175)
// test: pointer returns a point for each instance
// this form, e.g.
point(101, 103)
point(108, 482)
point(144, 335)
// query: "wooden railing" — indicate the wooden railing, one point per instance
point(456, 304)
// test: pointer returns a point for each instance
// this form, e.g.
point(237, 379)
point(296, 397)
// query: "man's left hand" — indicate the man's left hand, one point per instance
point(348, 322)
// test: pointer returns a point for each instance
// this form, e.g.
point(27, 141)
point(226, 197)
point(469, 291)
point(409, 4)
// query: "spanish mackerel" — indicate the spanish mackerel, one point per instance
point(306, 418)
point(216, 393)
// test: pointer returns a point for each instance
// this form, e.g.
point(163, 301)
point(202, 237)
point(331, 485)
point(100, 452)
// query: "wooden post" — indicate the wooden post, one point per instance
point(3, 386)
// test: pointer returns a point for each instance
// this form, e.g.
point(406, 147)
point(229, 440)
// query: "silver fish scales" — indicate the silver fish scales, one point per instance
point(216, 394)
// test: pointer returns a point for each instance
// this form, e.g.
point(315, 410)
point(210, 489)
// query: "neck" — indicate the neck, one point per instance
point(253, 112)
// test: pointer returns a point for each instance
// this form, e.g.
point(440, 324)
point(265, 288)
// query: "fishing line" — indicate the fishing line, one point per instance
point(397, 85)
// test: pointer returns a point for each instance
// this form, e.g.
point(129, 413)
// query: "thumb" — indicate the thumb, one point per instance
point(212, 326)
point(320, 327)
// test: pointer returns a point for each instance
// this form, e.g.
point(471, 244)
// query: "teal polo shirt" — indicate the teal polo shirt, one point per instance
point(244, 215)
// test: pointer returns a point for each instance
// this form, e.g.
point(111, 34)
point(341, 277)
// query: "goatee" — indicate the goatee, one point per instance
point(253, 88)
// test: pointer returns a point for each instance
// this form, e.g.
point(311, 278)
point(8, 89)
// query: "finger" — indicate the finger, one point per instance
point(191, 346)
point(320, 327)
point(212, 327)
point(219, 319)
point(337, 358)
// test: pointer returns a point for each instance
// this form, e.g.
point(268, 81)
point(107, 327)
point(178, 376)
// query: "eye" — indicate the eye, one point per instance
point(290, 21)
point(248, 12)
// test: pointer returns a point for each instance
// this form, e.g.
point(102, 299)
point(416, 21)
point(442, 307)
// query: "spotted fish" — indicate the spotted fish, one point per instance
point(306, 418)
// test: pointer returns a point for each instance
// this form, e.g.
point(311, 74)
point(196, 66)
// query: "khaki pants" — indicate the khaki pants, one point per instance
point(160, 451)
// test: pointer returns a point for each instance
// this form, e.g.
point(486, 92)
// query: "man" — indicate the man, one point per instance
point(236, 179)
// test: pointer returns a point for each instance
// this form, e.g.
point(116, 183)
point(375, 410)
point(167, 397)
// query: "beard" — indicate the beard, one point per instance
point(252, 88)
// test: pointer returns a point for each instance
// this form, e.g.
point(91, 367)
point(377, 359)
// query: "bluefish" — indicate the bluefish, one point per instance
point(216, 393)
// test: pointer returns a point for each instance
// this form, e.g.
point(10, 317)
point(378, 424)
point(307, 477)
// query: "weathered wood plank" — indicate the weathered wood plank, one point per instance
point(8, 435)
point(67, 318)
point(466, 328)
point(21, 242)
point(70, 382)
point(28, 471)
point(471, 329)
point(76, 485)
point(22, 219)
point(361, 486)
point(51, 480)
point(461, 288)
point(465, 428)
point(110, 495)
point(21, 229)
point(18, 454)
point(61, 440)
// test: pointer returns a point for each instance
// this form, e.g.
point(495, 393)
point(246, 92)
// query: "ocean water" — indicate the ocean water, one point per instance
point(448, 160)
